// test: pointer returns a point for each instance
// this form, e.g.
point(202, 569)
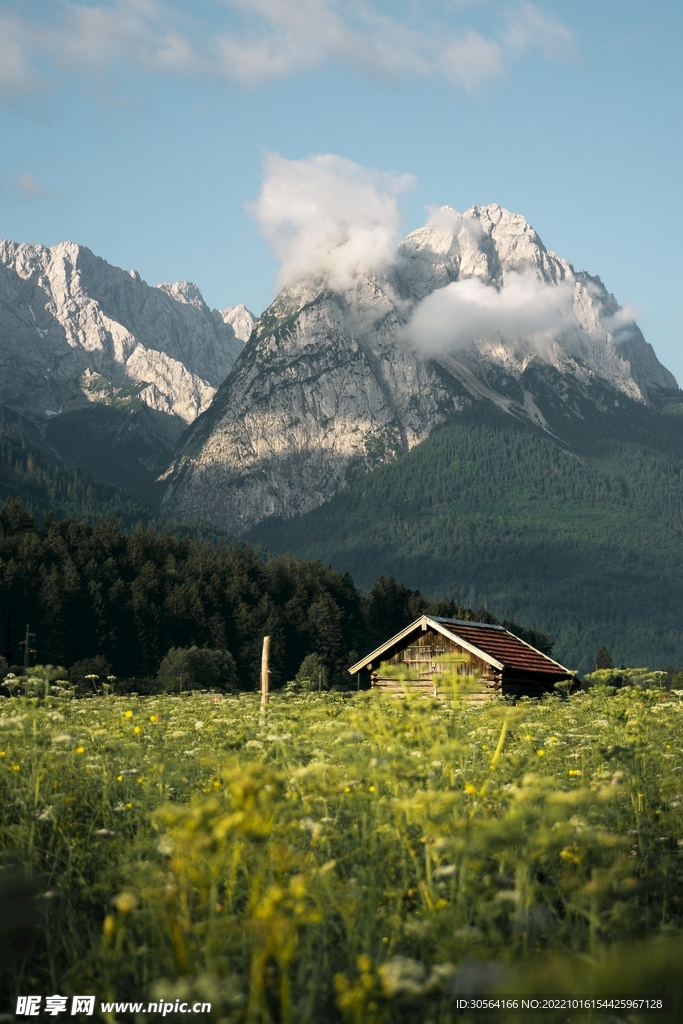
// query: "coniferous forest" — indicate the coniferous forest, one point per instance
point(581, 538)
point(92, 590)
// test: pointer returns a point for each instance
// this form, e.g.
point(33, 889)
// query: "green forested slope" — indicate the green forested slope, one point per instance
point(62, 488)
point(70, 492)
point(582, 540)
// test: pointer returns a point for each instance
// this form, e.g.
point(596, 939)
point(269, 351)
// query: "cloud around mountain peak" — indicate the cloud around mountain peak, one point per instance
point(525, 307)
point(327, 216)
point(331, 220)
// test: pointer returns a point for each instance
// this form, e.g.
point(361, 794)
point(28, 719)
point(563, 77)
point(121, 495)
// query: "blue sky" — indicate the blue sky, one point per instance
point(140, 128)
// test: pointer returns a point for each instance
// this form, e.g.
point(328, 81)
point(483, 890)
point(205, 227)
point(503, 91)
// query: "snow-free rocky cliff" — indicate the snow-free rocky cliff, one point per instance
point(333, 381)
point(77, 333)
point(64, 312)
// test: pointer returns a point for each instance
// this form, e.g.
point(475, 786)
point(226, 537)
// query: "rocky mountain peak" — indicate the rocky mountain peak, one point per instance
point(335, 381)
point(184, 291)
point(78, 334)
point(240, 319)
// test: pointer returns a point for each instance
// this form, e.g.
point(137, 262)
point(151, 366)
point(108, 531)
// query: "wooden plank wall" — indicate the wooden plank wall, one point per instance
point(424, 655)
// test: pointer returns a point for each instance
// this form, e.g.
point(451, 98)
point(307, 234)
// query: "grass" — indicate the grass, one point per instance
point(360, 859)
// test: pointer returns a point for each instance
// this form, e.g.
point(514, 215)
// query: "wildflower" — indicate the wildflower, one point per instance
point(125, 902)
point(3, 753)
point(469, 788)
point(127, 714)
point(140, 780)
point(574, 771)
point(371, 789)
point(16, 767)
point(109, 926)
point(154, 718)
point(540, 753)
point(80, 750)
point(128, 806)
point(119, 778)
point(137, 730)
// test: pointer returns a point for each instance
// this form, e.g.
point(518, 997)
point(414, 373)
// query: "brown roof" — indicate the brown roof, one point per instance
point(502, 645)
point(494, 643)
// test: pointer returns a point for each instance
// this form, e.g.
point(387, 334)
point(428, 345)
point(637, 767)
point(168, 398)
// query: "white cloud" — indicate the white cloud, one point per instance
point(28, 185)
point(17, 76)
point(529, 29)
point(255, 41)
point(327, 215)
point(523, 308)
point(29, 188)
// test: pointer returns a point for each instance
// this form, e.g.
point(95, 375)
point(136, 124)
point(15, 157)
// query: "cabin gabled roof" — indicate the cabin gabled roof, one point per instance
point(493, 644)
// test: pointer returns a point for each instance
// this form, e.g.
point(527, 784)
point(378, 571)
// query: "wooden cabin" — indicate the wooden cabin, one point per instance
point(497, 660)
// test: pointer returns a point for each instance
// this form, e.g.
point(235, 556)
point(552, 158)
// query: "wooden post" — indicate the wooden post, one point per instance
point(265, 687)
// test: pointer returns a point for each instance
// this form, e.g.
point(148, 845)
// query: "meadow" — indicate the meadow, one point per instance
point(344, 858)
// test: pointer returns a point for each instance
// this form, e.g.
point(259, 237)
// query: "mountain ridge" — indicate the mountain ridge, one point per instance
point(336, 381)
point(78, 333)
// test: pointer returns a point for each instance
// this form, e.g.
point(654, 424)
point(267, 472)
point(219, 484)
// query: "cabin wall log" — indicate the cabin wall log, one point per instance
point(425, 656)
point(426, 650)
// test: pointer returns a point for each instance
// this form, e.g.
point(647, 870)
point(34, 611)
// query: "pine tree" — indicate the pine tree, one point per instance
point(603, 659)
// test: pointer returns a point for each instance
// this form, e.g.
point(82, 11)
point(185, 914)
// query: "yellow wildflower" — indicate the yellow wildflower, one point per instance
point(574, 771)
point(119, 778)
point(125, 902)
point(541, 753)
point(128, 714)
point(137, 730)
point(16, 768)
point(154, 718)
point(80, 750)
point(469, 788)
point(3, 753)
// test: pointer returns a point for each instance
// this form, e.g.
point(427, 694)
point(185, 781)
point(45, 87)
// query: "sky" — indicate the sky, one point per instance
point(161, 133)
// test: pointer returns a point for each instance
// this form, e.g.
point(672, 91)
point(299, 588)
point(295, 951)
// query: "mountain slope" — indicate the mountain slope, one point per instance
point(77, 334)
point(582, 542)
point(62, 489)
point(336, 381)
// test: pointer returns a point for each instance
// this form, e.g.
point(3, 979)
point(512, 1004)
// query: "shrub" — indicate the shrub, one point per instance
point(196, 668)
point(312, 676)
point(89, 675)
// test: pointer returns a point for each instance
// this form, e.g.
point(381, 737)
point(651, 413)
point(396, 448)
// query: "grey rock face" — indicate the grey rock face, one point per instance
point(316, 393)
point(329, 383)
point(68, 317)
point(601, 343)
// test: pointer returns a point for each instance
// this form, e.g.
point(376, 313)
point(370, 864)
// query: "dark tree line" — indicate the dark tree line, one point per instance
point(93, 590)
